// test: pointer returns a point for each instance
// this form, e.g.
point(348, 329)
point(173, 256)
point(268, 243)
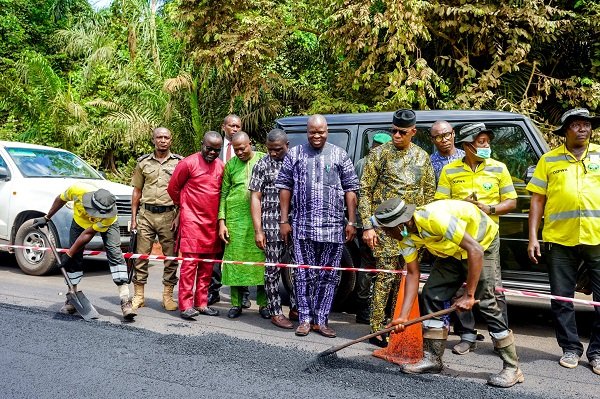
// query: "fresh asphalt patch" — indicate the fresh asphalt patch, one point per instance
point(48, 355)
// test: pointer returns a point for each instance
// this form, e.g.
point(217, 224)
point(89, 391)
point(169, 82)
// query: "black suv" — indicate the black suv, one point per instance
point(517, 142)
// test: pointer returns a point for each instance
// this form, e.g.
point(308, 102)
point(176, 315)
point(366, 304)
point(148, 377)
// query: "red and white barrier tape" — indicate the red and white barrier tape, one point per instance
point(129, 255)
point(423, 277)
point(529, 294)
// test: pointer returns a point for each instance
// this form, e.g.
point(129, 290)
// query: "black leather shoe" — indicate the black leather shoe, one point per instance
point(362, 316)
point(213, 298)
point(264, 312)
point(378, 341)
point(208, 311)
point(246, 302)
point(234, 312)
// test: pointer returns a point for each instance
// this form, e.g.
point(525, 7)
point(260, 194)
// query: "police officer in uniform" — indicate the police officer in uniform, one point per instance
point(154, 214)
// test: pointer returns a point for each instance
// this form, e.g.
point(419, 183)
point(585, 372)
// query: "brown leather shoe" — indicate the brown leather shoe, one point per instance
point(325, 330)
point(282, 322)
point(303, 329)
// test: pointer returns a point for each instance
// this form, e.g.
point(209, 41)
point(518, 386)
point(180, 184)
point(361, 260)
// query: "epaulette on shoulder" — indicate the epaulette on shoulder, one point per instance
point(176, 156)
point(143, 157)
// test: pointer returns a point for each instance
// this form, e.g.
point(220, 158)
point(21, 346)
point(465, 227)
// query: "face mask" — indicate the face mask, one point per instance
point(484, 153)
point(404, 232)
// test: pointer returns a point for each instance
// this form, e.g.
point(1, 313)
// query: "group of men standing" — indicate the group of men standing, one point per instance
point(255, 207)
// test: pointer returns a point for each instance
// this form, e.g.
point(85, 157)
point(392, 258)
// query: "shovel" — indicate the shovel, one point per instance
point(328, 355)
point(83, 306)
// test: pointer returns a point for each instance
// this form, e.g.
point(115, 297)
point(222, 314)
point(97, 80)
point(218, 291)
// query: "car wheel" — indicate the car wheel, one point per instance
point(344, 288)
point(34, 262)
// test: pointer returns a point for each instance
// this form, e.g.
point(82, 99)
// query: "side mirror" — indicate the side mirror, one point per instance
point(4, 175)
point(529, 173)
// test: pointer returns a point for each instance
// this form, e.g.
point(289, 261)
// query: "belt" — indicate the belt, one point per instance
point(159, 208)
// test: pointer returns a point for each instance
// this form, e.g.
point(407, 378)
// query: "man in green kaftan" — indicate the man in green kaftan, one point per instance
point(236, 228)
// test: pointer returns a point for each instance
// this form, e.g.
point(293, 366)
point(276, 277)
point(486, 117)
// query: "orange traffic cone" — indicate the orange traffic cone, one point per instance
point(407, 346)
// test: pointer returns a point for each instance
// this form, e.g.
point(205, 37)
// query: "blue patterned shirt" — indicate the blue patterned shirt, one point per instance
point(438, 161)
point(318, 180)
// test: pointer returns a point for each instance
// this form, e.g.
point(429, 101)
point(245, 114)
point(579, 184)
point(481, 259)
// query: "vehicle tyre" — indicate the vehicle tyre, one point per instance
point(36, 263)
point(344, 288)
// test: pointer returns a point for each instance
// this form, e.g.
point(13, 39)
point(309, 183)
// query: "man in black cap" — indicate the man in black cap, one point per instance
point(395, 169)
point(565, 191)
point(94, 211)
point(464, 240)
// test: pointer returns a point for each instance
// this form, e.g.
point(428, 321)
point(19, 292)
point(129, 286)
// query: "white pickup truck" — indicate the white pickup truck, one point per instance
point(31, 176)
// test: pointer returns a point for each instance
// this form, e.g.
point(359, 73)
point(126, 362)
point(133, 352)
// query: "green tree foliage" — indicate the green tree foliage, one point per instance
point(98, 82)
point(529, 56)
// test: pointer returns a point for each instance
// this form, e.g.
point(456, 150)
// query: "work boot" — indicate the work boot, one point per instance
point(67, 308)
point(127, 309)
point(511, 373)
point(138, 296)
point(167, 301)
point(434, 343)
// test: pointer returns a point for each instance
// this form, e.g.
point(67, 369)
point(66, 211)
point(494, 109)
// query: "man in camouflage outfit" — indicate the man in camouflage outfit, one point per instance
point(395, 169)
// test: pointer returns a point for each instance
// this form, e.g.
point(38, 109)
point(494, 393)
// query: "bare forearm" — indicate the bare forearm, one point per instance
point(504, 207)
point(84, 238)
point(535, 214)
point(411, 288)
point(256, 210)
point(135, 202)
point(351, 203)
point(56, 205)
point(285, 197)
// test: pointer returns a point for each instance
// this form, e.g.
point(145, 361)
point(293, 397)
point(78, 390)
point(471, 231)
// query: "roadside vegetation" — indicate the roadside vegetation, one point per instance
point(97, 82)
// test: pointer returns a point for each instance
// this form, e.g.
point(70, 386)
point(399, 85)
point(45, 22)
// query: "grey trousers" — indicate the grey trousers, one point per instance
point(449, 274)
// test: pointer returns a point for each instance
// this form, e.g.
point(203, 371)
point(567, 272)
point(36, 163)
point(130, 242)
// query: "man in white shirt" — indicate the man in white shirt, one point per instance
point(231, 125)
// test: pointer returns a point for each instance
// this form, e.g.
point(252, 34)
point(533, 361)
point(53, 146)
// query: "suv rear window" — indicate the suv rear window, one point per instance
point(336, 137)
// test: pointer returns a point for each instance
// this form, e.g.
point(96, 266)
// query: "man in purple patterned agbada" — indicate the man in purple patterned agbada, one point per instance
point(320, 177)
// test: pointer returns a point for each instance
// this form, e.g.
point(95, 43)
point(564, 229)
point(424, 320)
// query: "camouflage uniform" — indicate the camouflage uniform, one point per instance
point(156, 214)
point(389, 173)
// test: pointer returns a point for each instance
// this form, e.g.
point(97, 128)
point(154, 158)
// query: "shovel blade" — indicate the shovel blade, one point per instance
point(83, 306)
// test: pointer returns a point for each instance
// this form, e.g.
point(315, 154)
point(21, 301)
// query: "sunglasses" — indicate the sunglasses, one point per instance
point(402, 132)
point(441, 137)
point(212, 149)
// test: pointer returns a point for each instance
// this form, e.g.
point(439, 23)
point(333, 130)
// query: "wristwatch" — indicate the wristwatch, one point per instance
point(492, 210)
point(284, 222)
point(352, 224)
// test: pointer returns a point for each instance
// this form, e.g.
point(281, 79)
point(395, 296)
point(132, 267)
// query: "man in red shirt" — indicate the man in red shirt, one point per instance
point(196, 187)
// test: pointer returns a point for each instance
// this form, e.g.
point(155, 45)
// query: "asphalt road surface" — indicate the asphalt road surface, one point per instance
point(44, 354)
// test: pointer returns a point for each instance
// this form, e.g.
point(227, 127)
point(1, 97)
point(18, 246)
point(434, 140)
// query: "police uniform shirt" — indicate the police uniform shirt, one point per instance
point(152, 177)
point(571, 187)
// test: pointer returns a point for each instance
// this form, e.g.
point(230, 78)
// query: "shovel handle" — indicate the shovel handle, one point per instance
point(58, 259)
point(390, 329)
